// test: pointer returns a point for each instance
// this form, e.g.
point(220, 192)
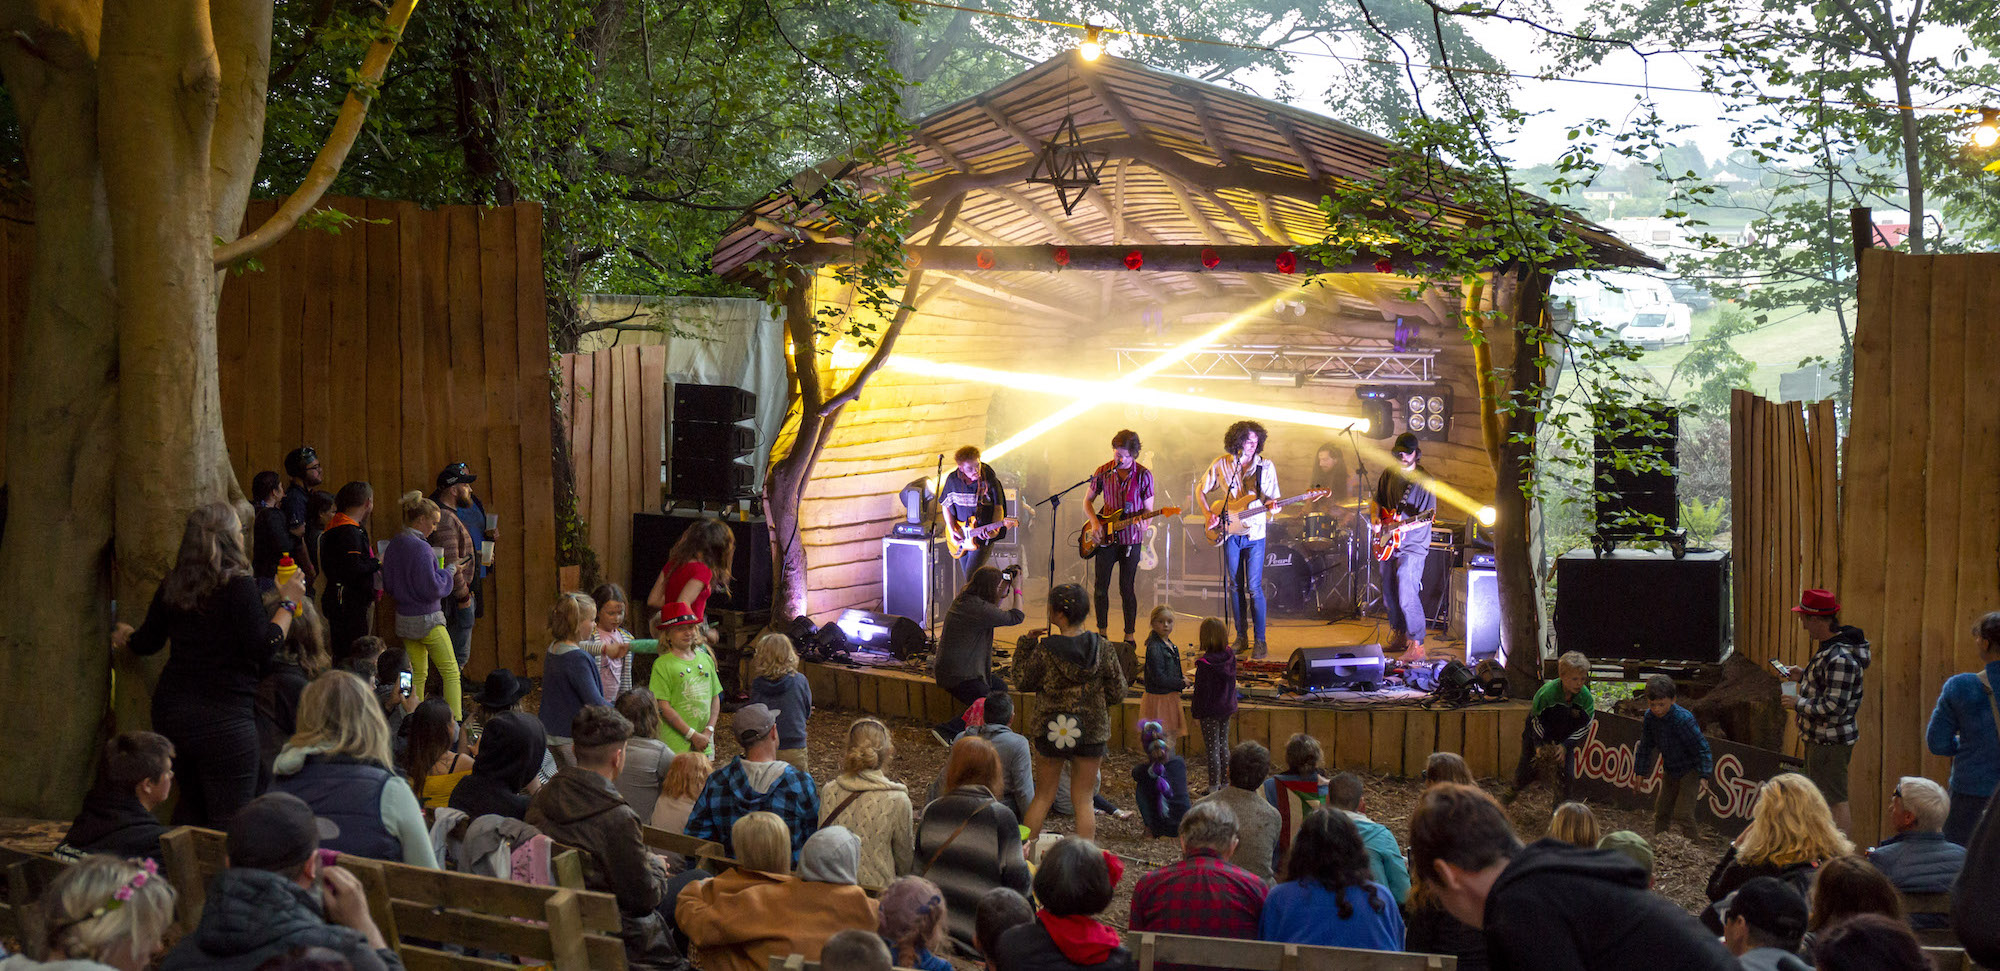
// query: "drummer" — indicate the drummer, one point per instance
point(1324, 516)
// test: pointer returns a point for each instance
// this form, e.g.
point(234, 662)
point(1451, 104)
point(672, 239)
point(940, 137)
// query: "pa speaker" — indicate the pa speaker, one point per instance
point(1621, 440)
point(705, 445)
point(713, 403)
point(1318, 668)
point(1635, 605)
point(653, 536)
point(1475, 615)
point(908, 566)
point(1435, 595)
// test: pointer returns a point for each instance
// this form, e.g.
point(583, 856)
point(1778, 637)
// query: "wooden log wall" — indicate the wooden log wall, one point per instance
point(1919, 509)
point(1784, 523)
point(615, 402)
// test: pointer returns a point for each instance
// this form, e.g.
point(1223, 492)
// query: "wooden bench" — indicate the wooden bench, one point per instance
point(569, 929)
point(798, 962)
point(1153, 949)
point(708, 854)
point(1938, 904)
point(27, 877)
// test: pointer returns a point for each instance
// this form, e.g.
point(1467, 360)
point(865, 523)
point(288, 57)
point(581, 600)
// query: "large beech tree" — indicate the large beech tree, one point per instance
point(142, 123)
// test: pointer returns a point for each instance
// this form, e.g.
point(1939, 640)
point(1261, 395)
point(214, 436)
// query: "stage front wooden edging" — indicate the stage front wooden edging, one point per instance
point(1385, 740)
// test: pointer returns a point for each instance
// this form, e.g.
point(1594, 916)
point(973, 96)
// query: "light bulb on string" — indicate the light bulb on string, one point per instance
point(1987, 133)
point(1092, 47)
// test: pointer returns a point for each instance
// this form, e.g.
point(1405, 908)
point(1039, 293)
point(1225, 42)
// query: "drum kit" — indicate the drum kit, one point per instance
point(1318, 568)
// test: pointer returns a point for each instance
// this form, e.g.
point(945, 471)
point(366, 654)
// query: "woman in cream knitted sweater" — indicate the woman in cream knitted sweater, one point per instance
point(871, 806)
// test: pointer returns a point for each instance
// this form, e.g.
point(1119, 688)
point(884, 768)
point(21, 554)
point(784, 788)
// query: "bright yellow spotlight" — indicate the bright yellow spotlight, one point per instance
point(1987, 133)
point(1050, 384)
point(1486, 515)
point(1092, 48)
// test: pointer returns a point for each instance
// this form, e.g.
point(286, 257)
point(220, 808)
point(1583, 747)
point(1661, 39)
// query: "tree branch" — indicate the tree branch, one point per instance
point(353, 112)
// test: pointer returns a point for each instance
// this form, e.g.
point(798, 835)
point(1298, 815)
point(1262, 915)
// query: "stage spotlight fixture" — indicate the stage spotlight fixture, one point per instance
point(1417, 405)
point(1486, 515)
point(913, 497)
point(1278, 379)
point(1378, 417)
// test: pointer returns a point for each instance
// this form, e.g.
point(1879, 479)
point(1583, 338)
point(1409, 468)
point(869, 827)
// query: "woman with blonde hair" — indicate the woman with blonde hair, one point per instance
point(224, 638)
point(1575, 824)
point(416, 575)
point(686, 775)
point(339, 763)
point(1791, 833)
point(741, 919)
point(101, 913)
point(780, 687)
point(871, 805)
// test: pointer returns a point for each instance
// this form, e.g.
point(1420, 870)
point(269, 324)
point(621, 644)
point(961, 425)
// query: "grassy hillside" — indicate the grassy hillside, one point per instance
point(1778, 346)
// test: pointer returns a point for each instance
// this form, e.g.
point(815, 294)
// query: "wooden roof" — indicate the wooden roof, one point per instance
point(1189, 163)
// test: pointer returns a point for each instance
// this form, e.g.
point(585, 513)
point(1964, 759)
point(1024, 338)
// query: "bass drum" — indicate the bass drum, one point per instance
point(1289, 581)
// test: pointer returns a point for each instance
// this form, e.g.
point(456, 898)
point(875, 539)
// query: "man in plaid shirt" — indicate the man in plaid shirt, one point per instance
point(755, 781)
point(1829, 696)
point(1204, 894)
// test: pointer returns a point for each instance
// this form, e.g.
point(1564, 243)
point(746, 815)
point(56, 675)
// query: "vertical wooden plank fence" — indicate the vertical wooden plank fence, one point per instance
point(615, 400)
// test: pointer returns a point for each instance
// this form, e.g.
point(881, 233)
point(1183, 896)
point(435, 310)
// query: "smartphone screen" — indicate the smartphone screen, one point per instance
point(404, 681)
point(1782, 670)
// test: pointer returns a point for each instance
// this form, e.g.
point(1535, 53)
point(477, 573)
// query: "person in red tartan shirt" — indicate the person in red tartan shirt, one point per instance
point(1203, 894)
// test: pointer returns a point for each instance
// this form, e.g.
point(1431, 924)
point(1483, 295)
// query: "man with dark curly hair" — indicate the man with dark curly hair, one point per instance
point(1120, 487)
point(1242, 470)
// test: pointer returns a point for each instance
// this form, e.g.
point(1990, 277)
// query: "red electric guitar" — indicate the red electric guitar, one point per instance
point(1389, 530)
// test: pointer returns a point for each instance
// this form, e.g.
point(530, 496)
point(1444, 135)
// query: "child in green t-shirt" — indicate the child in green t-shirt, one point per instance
point(1560, 715)
point(684, 682)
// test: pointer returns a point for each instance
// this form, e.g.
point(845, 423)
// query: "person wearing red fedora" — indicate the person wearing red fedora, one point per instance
point(685, 683)
point(1829, 697)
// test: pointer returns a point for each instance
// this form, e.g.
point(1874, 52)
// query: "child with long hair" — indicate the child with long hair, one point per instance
point(1164, 680)
point(1215, 698)
point(686, 776)
point(1327, 898)
point(1160, 783)
point(609, 642)
point(913, 924)
point(1575, 824)
point(646, 757)
point(697, 566)
point(781, 687)
point(432, 758)
point(103, 912)
point(569, 676)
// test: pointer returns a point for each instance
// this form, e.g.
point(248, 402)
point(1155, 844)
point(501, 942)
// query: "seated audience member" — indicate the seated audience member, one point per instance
point(1846, 886)
point(1203, 893)
point(1549, 905)
point(1978, 886)
point(969, 841)
point(873, 806)
point(433, 757)
point(501, 694)
point(1763, 923)
point(1298, 790)
point(1919, 858)
point(855, 950)
point(278, 895)
point(1575, 824)
point(1327, 898)
point(581, 807)
point(391, 663)
point(756, 781)
point(1386, 865)
point(301, 658)
point(1074, 885)
point(1257, 822)
point(686, 776)
point(741, 919)
point(1791, 833)
point(117, 816)
point(829, 871)
point(511, 748)
point(1017, 762)
point(363, 658)
point(1633, 846)
point(103, 912)
point(1159, 784)
point(1870, 942)
point(1447, 767)
point(1000, 910)
point(647, 759)
point(913, 924)
point(307, 959)
point(340, 764)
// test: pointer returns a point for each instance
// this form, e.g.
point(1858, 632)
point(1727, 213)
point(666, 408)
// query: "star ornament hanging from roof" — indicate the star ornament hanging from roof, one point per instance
point(1067, 166)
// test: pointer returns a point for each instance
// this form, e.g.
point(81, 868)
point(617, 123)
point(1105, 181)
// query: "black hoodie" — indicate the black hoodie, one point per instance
point(252, 916)
point(113, 822)
point(510, 753)
point(1977, 931)
point(1559, 907)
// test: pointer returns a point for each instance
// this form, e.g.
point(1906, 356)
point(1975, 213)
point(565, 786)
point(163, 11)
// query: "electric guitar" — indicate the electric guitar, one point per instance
point(1390, 529)
point(961, 540)
point(1091, 537)
point(1226, 516)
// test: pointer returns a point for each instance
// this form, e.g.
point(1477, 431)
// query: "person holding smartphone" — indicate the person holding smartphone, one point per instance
point(461, 553)
point(965, 645)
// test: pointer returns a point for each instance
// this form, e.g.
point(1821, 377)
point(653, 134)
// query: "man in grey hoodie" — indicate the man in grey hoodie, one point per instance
point(1763, 923)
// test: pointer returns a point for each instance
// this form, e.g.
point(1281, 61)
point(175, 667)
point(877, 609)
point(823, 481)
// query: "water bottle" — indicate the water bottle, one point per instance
point(286, 570)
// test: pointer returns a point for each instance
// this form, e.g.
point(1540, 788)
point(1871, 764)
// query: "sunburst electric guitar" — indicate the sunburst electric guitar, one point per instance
point(1390, 529)
point(1091, 537)
point(1229, 517)
point(961, 540)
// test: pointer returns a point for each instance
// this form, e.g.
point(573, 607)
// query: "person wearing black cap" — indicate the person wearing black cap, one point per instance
point(1762, 924)
point(1404, 507)
point(457, 478)
point(302, 465)
point(454, 487)
point(279, 895)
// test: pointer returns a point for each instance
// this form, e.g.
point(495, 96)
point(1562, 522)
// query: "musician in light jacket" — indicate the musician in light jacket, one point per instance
point(971, 497)
point(1242, 470)
point(1120, 487)
point(1402, 499)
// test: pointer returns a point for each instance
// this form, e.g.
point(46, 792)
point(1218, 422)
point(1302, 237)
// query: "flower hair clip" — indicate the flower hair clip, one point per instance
point(148, 869)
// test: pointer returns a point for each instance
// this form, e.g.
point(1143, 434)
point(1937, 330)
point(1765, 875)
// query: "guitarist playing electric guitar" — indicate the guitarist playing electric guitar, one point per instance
point(1404, 505)
point(1241, 471)
point(1125, 487)
point(974, 504)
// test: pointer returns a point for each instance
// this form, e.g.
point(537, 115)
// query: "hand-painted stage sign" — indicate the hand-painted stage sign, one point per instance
point(1605, 774)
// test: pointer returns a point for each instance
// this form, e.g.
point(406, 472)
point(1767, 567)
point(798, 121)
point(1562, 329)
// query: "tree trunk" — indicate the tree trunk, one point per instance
point(1526, 297)
point(792, 460)
point(61, 424)
point(1913, 166)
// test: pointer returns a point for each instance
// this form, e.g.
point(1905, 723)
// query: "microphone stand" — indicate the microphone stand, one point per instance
point(1054, 503)
point(930, 557)
point(1357, 580)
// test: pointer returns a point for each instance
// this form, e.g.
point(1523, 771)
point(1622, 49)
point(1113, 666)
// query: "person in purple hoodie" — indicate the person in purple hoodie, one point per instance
point(417, 577)
point(1214, 701)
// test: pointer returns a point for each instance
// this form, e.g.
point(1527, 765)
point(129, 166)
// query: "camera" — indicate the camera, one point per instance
point(1011, 572)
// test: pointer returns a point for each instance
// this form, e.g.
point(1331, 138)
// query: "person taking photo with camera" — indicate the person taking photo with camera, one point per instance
point(991, 600)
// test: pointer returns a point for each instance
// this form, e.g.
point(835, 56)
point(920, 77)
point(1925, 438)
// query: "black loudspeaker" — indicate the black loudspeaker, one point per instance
point(1318, 668)
point(1623, 439)
point(882, 633)
point(706, 446)
point(907, 566)
point(1436, 593)
point(1643, 606)
point(653, 536)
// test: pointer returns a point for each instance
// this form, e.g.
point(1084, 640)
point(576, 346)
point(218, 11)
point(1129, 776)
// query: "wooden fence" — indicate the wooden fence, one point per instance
point(615, 400)
point(1921, 514)
point(1783, 520)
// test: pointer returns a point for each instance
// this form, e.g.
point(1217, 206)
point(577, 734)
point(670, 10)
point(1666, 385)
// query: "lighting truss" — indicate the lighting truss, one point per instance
point(1329, 365)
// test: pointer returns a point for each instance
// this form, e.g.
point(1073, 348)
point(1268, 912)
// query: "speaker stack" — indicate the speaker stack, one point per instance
point(1631, 492)
point(707, 443)
point(1637, 605)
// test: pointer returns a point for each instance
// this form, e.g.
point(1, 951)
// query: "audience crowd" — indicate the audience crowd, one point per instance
point(297, 744)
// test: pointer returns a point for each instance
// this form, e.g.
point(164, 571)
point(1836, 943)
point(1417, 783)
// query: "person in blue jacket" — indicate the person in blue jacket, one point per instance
point(1965, 727)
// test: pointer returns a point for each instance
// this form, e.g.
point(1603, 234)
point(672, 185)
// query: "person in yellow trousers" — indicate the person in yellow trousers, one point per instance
point(419, 579)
